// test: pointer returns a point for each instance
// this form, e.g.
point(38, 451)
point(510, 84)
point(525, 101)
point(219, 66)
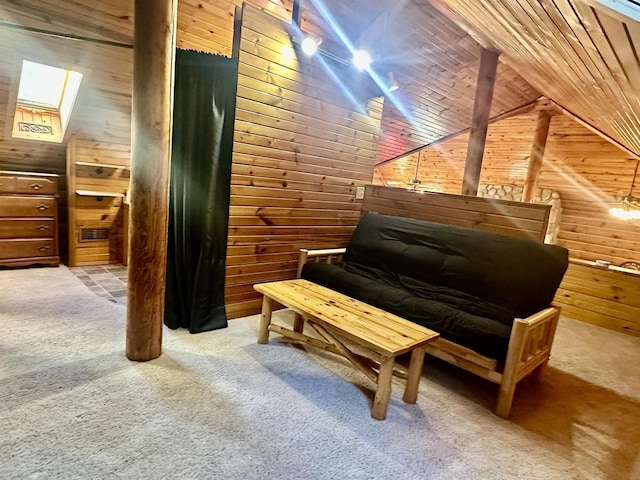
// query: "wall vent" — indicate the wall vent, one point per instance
point(93, 234)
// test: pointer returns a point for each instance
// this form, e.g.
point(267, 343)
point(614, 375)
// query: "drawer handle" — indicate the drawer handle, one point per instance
point(36, 186)
point(44, 248)
point(42, 207)
point(42, 227)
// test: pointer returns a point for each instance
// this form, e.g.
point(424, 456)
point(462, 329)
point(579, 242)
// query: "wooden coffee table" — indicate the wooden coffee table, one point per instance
point(334, 316)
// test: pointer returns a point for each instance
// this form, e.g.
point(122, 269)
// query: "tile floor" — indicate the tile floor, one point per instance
point(107, 281)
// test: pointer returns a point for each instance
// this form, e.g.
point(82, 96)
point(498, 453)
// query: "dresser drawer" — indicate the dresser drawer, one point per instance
point(37, 186)
point(40, 247)
point(27, 228)
point(27, 207)
point(7, 184)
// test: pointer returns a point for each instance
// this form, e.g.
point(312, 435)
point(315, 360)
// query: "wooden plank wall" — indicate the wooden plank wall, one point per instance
point(434, 61)
point(589, 173)
point(300, 151)
point(103, 107)
point(601, 296)
point(207, 25)
point(100, 168)
point(441, 167)
point(101, 114)
point(498, 216)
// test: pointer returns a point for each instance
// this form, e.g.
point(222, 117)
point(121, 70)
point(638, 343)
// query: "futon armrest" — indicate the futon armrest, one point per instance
point(326, 255)
point(531, 341)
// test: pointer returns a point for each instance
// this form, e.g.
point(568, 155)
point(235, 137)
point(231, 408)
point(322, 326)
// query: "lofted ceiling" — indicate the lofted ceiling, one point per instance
point(581, 55)
point(434, 61)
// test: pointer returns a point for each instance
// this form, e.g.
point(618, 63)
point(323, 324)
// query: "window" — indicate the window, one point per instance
point(46, 96)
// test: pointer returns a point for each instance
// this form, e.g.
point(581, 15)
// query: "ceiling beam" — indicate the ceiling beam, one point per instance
point(66, 36)
point(510, 113)
point(479, 122)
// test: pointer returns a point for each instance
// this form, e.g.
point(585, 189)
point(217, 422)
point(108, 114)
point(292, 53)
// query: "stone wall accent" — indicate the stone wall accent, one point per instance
point(543, 195)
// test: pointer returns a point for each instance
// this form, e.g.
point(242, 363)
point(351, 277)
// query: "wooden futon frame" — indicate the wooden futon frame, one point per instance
point(528, 352)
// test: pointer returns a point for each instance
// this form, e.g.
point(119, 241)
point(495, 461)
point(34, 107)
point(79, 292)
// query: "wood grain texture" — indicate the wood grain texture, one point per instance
point(300, 151)
point(498, 216)
point(479, 122)
point(97, 180)
point(537, 154)
point(601, 296)
point(587, 171)
point(154, 56)
point(28, 219)
point(435, 63)
point(574, 52)
point(335, 316)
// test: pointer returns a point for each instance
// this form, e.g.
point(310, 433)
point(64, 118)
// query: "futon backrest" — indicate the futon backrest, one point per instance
point(519, 274)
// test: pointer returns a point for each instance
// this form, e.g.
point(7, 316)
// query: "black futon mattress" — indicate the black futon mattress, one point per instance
point(467, 285)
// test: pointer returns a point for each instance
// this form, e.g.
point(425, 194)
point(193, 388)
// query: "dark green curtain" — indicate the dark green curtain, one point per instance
point(204, 109)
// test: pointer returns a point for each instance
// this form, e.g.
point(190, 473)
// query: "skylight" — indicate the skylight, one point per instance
point(46, 96)
point(41, 85)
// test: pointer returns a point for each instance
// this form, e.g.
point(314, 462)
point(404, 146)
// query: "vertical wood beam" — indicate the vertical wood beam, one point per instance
point(72, 157)
point(152, 105)
point(479, 122)
point(535, 159)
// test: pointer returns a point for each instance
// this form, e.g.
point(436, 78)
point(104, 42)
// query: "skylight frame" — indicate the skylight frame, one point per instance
point(55, 77)
point(73, 84)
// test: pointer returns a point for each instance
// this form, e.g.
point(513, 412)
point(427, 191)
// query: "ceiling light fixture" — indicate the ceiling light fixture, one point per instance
point(629, 206)
point(310, 45)
point(361, 59)
point(392, 84)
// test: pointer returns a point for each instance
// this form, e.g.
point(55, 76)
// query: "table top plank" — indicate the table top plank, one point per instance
point(376, 329)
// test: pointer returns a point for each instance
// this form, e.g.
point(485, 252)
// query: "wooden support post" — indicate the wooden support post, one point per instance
point(152, 105)
point(479, 122)
point(535, 159)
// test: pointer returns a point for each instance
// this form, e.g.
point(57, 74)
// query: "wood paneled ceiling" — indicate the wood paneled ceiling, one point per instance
point(434, 61)
point(581, 54)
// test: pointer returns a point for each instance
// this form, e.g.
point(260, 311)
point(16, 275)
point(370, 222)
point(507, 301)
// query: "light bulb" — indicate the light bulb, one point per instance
point(361, 59)
point(309, 46)
point(625, 214)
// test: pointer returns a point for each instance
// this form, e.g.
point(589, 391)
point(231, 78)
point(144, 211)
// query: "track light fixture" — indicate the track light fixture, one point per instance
point(392, 84)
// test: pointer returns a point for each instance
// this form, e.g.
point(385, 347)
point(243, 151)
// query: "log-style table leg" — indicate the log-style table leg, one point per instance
point(298, 323)
point(381, 400)
point(414, 374)
point(265, 320)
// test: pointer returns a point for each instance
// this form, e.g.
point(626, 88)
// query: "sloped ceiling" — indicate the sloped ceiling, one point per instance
point(579, 53)
point(434, 61)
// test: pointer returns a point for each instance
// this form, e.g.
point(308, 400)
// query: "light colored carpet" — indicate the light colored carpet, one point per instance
point(218, 405)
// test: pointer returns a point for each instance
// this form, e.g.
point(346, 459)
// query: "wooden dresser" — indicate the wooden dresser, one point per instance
point(28, 219)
